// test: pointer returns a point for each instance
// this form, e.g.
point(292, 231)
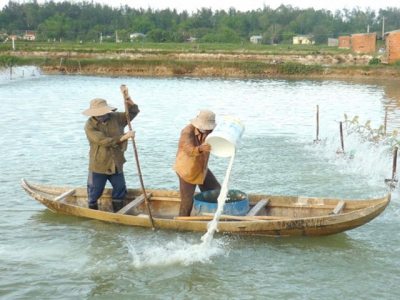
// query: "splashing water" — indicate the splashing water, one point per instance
point(175, 252)
point(19, 73)
point(183, 252)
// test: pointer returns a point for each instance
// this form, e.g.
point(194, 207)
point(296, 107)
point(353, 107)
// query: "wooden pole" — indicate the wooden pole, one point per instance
point(128, 120)
point(317, 116)
point(394, 163)
point(394, 167)
point(341, 136)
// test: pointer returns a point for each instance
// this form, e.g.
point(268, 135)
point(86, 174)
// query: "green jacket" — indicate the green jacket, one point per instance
point(105, 154)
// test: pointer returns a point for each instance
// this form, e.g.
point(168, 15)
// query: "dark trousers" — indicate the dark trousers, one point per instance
point(97, 182)
point(187, 191)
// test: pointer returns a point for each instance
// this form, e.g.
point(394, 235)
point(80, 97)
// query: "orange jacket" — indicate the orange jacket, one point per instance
point(190, 164)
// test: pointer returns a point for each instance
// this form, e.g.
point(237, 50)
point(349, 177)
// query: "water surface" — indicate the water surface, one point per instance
point(44, 255)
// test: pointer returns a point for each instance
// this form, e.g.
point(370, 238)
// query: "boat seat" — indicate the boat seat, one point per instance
point(65, 195)
point(338, 209)
point(256, 210)
point(129, 207)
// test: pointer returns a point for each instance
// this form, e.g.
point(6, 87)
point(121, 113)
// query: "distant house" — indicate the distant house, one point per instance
point(344, 42)
point(392, 41)
point(13, 37)
point(333, 42)
point(190, 39)
point(30, 35)
point(255, 39)
point(136, 35)
point(303, 40)
point(363, 42)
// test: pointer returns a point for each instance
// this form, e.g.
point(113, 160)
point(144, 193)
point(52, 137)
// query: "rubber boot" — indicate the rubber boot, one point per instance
point(93, 206)
point(117, 204)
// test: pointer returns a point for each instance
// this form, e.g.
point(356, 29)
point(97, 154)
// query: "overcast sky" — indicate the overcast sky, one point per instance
point(242, 5)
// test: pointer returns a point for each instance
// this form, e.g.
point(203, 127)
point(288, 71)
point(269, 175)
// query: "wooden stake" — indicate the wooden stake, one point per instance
point(341, 140)
point(341, 136)
point(317, 116)
point(392, 181)
point(394, 163)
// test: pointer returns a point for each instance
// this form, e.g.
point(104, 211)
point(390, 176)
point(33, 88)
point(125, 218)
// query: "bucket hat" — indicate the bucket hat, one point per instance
point(205, 120)
point(98, 107)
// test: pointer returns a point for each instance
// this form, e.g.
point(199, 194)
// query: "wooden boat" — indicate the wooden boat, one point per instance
point(269, 215)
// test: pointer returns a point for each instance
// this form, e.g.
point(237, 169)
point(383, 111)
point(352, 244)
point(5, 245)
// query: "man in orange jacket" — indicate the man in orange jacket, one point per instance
point(191, 162)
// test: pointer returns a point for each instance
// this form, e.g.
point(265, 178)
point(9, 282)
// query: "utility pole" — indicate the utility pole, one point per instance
point(368, 28)
point(383, 28)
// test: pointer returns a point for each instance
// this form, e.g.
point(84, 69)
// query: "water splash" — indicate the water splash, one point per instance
point(181, 252)
point(371, 162)
point(19, 73)
point(175, 252)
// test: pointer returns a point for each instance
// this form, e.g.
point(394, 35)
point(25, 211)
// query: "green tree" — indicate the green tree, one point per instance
point(224, 35)
point(321, 34)
point(272, 33)
point(143, 24)
point(59, 26)
point(157, 36)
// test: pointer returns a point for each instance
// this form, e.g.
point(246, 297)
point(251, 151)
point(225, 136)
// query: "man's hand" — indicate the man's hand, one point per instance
point(128, 135)
point(204, 147)
point(124, 91)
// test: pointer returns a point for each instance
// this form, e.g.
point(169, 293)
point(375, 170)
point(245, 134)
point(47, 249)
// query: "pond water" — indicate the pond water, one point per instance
point(44, 255)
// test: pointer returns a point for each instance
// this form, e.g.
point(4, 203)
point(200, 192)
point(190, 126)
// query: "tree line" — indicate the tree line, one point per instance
point(88, 21)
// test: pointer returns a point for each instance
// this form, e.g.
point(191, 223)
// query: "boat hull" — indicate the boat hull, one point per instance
point(282, 216)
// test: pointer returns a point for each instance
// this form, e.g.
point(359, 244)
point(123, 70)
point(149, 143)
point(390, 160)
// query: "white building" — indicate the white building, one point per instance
point(255, 39)
point(135, 35)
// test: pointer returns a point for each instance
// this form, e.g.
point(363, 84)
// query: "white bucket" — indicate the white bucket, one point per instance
point(223, 139)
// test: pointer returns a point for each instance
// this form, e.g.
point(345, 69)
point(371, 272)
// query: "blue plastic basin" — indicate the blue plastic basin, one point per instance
point(237, 203)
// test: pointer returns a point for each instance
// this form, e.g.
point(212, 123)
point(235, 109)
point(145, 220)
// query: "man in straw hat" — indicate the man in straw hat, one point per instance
point(105, 132)
point(191, 162)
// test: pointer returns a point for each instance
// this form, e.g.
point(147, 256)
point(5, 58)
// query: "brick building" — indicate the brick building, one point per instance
point(344, 42)
point(392, 46)
point(363, 42)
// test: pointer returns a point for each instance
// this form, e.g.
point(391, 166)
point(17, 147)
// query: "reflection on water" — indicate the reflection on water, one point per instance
point(43, 140)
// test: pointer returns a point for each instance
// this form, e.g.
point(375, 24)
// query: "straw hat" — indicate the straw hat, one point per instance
point(205, 120)
point(98, 107)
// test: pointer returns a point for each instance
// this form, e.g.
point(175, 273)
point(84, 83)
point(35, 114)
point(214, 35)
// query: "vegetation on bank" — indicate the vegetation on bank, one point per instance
point(184, 67)
point(80, 56)
point(168, 48)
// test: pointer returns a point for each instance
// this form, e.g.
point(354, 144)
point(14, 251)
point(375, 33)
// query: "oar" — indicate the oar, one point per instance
point(128, 120)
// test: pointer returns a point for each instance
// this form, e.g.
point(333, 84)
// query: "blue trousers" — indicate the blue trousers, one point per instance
point(97, 182)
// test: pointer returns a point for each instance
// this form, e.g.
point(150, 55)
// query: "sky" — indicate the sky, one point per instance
point(242, 5)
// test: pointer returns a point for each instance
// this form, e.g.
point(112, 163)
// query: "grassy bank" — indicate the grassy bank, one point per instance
point(166, 48)
point(147, 59)
point(171, 67)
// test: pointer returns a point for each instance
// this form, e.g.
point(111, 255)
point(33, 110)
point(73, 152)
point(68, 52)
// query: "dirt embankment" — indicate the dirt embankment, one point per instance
point(330, 63)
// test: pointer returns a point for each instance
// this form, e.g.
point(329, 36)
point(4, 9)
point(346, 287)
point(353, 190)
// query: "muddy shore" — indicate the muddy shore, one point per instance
point(334, 66)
